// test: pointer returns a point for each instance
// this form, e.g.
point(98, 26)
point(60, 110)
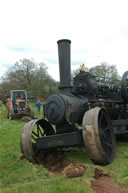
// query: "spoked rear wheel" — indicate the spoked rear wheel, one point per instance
point(33, 130)
point(98, 136)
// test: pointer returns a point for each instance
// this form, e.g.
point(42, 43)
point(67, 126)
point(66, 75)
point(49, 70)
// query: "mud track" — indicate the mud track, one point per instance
point(58, 163)
point(105, 184)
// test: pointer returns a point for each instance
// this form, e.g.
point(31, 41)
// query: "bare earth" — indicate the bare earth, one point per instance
point(61, 165)
point(106, 184)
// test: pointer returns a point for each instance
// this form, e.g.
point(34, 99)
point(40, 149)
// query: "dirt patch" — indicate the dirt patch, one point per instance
point(26, 118)
point(57, 162)
point(76, 170)
point(105, 184)
point(53, 161)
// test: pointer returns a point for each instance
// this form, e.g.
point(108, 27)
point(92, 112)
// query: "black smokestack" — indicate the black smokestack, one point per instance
point(64, 65)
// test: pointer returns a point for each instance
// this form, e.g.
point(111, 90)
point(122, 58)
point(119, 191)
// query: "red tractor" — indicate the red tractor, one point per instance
point(17, 105)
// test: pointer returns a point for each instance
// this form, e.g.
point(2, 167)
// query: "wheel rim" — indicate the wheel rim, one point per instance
point(105, 134)
point(33, 130)
point(10, 116)
point(98, 136)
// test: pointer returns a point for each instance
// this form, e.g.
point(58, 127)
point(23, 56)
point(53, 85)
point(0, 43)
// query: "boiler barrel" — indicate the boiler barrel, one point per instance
point(61, 108)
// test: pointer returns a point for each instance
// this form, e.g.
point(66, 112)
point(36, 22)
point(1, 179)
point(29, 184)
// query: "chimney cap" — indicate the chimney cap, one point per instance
point(64, 40)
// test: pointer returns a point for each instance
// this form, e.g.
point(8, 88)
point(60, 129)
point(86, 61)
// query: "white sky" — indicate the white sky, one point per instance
point(98, 30)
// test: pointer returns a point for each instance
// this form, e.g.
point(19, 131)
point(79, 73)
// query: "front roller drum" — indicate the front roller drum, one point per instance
point(98, 136)
point(33, 130)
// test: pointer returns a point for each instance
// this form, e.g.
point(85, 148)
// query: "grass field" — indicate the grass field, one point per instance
point(20, 176)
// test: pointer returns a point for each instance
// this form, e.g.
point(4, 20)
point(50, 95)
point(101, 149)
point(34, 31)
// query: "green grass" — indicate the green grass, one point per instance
point(20, 176)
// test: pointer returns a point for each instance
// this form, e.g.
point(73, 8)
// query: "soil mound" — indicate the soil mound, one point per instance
point(26, 118)
point(53, 161)
point(76, 170)
point(106, 184)
point(58, 163)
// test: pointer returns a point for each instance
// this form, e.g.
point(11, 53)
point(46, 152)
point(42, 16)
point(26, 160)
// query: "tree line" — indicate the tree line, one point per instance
point(28, 75)
point(105, 73)
point(33, 77)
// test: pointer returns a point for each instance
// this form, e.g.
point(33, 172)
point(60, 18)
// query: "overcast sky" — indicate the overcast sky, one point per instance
point(98, 30)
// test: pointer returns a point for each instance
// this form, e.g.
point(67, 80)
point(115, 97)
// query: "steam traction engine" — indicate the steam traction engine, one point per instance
point(86, 114)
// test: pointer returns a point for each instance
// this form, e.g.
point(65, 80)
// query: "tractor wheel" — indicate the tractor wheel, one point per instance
point(11, 116)
point(33, 130)
point(98, 136)
point(7, 113)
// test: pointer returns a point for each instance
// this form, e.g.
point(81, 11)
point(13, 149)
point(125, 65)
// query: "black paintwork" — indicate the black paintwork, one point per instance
point(66, 110)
